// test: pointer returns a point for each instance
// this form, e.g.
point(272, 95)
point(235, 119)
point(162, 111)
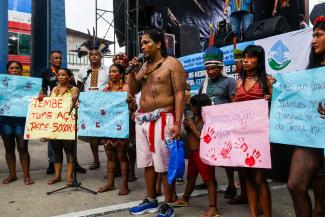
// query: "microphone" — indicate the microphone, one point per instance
point(140, 58)
point(89, 71)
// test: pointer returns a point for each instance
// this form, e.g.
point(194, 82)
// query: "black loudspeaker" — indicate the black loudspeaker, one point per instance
point(262, 9)
point(222, 39)
point(266, 28)
point(187, 40)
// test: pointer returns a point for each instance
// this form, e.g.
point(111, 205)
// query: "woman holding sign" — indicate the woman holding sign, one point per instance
point(116, 149)
point(64, 89)
point(12, 133)
point(255, 84)
point(306, 162)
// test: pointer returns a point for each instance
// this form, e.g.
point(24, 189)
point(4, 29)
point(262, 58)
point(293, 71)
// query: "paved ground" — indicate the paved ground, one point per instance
point(20, 200)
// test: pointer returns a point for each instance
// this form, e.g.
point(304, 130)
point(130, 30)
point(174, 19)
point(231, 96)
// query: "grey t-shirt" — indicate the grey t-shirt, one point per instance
point(219, 90)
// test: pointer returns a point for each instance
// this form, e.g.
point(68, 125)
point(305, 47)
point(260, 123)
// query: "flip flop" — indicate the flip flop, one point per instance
point(206, 214)
point(132, 178)
point(181, 203)
point(94, 166)
point(9, 179)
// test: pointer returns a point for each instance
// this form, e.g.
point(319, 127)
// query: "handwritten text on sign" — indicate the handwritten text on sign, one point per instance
point(15, 94)
point(104, 114)
point(298, 108)
point(236, 135)
point(50, 119)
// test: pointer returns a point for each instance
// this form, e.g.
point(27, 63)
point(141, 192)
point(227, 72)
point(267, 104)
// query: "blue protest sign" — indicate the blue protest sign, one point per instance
point(15, 94)
point(298, 108)
point(103, 114)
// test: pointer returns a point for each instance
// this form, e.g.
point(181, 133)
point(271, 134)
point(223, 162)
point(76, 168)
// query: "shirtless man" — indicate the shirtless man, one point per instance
point(161, 81)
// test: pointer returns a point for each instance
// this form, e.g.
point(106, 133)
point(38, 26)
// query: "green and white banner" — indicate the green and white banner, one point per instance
point(287, 52)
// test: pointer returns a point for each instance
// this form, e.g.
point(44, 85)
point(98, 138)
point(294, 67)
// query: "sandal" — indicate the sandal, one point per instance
point(211, 213)
point(231, 192)
point(9, 179)
point(237, 200)
point(132, 178)
point(181, 203)
point(207, 214)
point(94, 166)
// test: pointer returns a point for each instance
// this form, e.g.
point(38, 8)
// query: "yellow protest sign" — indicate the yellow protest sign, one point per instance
point(50, 119)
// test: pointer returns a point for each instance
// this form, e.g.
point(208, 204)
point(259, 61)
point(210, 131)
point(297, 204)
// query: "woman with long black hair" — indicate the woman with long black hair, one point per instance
point(306, 162)
point(255, 84)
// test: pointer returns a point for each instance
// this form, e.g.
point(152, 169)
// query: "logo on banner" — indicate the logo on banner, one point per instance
point(279, 56)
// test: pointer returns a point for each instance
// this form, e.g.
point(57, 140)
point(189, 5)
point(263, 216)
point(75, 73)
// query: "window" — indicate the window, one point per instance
point(13, 43)
point(24, 44)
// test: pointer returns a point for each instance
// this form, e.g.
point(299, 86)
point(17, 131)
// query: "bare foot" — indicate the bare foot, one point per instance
point(69, 182)
point(28, 180)
point(106, 188)
point(124, 190)
point(54, 180)
point(9, 179)
point(212, 212)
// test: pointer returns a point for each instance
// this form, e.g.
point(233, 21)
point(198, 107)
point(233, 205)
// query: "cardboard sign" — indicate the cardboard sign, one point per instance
point(236, 135)
point(104, 114)
point(50, 119)
point(16, 93)
point(298, 108)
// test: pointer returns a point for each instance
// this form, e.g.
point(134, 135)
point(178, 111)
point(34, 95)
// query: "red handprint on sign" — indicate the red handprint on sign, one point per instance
point(212, 154)
point(251, 160)
point(226, 150)
point(242, 145)
point(209, 135)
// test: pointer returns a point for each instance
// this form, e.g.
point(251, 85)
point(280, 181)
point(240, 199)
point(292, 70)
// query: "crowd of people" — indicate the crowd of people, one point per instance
point(165, 112)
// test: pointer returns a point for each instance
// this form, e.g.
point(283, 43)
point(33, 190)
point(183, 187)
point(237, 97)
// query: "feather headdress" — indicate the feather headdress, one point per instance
point(93, 43)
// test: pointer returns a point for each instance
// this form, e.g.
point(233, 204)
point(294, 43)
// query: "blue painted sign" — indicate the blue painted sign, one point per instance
point(103, 114)
point(298, 108)
point(15, 94)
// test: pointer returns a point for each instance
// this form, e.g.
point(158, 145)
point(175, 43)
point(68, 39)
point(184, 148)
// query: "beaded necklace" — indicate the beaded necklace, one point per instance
point(115, 88)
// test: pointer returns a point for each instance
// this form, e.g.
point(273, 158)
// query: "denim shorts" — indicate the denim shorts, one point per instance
point(12, 126)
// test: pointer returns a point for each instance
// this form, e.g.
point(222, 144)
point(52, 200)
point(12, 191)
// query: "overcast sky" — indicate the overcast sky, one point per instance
point(80, 15)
